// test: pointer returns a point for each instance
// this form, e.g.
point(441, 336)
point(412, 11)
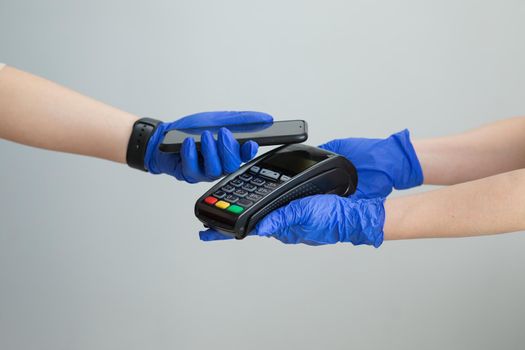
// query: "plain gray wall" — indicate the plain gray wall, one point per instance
point(94, 255)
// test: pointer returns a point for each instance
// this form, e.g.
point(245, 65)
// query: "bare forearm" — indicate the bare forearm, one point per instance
point(488, 206)
point(40, 113)
point(492, 149)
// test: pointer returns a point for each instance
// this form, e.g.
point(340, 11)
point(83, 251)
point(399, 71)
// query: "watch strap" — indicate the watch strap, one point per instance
point(138, 142)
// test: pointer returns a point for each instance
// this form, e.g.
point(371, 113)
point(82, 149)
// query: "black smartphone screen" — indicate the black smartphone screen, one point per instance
point(276, 133)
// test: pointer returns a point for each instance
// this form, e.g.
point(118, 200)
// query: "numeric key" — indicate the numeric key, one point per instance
point(249, 187)
point(254, 197)
point(245, 177)
point(240, 193)
point(236, 183)
point(219, 194)
point(270, 185)
point(262, 191)
point(228, 188)
point(231, 198)
point(257, 181)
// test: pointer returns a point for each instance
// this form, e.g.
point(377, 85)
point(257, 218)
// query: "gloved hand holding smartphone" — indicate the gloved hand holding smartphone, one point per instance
point(217, 157)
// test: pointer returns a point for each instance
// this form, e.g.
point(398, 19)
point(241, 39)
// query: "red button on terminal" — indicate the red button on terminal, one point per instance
point(210, 200)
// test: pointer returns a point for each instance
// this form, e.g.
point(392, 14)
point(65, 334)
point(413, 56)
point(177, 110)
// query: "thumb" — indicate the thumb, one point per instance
point(211, 119)
point(212, 235)
point(332, 146)
point(240, 117)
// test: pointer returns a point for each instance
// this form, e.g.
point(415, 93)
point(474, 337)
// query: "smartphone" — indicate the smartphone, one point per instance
point(265, 134)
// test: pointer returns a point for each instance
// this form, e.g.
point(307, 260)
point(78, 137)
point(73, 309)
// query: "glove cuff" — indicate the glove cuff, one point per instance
point(365, 222)
point(410, 173)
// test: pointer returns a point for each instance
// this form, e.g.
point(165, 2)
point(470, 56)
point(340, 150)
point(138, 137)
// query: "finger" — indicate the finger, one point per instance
point(276, 223)
point(248, 151)
point(229, 151)
point(212, 235)
point(190, 160)
point(212, 161)
point(177, 172)
point(332, 146)
point(221, 118)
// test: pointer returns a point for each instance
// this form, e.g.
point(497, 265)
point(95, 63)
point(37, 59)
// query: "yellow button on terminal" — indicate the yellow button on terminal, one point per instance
point(222, 204)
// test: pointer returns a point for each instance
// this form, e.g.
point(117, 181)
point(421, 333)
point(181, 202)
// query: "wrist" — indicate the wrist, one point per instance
point(398, 212)
point(112, 135)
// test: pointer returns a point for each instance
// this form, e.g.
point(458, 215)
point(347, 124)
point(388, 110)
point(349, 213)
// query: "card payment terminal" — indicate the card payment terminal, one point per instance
point(235, 204)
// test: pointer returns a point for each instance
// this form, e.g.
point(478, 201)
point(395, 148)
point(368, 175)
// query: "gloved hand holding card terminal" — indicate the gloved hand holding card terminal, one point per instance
point(471, 163)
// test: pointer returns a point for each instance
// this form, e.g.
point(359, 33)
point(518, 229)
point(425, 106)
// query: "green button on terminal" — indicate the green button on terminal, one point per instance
point(235, 209)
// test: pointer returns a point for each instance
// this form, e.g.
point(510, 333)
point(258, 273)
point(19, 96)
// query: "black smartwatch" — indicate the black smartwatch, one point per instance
point(138, 142)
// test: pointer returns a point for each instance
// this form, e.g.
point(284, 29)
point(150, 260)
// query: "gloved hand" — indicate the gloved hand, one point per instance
point(322, 219)
point(219, 157)
point(382, 164)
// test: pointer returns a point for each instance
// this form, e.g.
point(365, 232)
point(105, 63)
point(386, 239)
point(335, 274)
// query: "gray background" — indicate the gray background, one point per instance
point(96, 256)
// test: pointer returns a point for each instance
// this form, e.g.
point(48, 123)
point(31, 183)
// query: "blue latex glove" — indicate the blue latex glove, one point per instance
point(322, 219)
point(382, 164)
point(219, 157)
